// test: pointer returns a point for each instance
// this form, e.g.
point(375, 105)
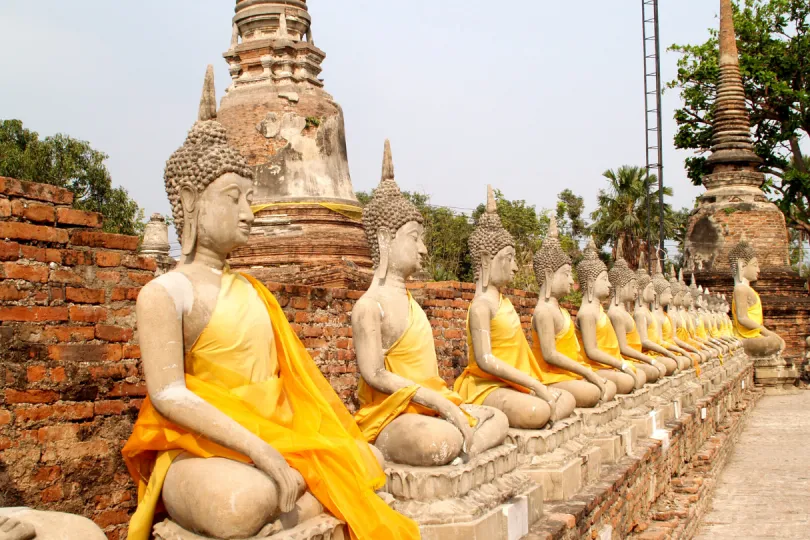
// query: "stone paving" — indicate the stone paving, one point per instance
point(764, 491)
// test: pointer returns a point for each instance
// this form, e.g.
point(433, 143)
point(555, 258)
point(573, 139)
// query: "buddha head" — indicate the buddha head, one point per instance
point(675, 285)
point(622, 279)
point(744, 263)
point(644, 283)
point(695, 293)
point(394, 227)
point(593, 275)
point(492, 248)
point(552, 265)
point(663, 288)
point(210, 185)
point(686, 296)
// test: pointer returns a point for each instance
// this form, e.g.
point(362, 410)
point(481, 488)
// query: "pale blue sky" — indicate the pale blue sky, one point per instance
point(531, 96)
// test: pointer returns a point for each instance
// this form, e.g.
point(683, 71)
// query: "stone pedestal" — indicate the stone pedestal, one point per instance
point(775, 374)
point(323, 527)
point(488, 497)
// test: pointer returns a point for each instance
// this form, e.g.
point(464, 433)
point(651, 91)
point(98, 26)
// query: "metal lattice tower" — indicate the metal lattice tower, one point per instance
point(652, 113)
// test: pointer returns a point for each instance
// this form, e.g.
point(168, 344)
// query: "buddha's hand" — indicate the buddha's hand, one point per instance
point(455, 416)
point(268, 460)
point(11, 529)
point(602, 385)
point(550, 396)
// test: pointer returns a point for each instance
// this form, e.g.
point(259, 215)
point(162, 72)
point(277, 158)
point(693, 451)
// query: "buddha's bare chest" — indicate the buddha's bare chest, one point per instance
point(395, 318)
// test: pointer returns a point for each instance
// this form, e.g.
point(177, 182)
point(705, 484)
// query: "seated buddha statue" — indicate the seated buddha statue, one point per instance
point(706, 320)
point(595, 332)
point(663, 301)
point(28, 524)
point(502, 371)
point(686, 310)
point(406, 409)
point(679, 323)
point(240, 434)
point(554, 339)
point(696, 323)
point(625, 291)
point(649, 331)
point(746, 305)
point(723, 326)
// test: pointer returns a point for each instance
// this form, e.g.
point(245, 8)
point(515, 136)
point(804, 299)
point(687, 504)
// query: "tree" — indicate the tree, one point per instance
point(774, 45)
point(72, 164)
point(621, 212)
point(571, 223)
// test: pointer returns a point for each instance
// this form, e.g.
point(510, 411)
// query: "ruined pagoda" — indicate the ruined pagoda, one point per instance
point(735, 207)
point(276, 112)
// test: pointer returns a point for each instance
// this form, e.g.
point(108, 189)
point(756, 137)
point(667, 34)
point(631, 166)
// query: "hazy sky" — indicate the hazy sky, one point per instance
point(531, 96)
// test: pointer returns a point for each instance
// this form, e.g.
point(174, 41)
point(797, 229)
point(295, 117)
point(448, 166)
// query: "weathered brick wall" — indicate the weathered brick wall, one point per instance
point(68, 356)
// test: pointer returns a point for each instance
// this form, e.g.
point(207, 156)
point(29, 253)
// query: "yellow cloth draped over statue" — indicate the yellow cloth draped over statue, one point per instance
point(412, 356)
point(277, 393)
point(509, 345)
point(754, 313)
point(668, 335)
point(567, 344)
point(606, 341)
point(655, 336)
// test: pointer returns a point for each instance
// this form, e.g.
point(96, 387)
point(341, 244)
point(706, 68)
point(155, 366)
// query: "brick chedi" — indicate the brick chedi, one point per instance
point(734, 206)
point(291, 131)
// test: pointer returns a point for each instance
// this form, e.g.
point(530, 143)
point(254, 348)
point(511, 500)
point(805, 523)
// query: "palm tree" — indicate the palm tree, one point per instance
point(622, 211)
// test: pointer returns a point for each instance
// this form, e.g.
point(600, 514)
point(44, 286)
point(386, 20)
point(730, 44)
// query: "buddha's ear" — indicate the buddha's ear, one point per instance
point(188, 199)
point(549, 282)
point(486, 269)
point(740, 268)
point(384, 244)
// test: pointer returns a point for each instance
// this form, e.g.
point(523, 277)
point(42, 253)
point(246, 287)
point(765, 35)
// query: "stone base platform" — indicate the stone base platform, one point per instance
point(478, 499)
point(688, 415)
point(323, 527)
point(775, 374)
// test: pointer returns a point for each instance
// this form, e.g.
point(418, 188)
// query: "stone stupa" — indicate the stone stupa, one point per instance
point(276, 112)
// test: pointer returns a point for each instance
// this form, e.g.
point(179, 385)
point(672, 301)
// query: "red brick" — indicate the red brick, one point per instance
point(5, 208)
point(35, 274)
point(140, 263)
point(124, 293)
point(36, 373)
point(84, 296)
point(103, 240)
point(113, 371)
point(87, 314)
point(33, 253)
point(37, 233)
point(113, 333)
point(108, 518)
point(47, 475)
point(33, 314)
point(140, 278)
point(5, 418)
point(33, 212)
point(65, 276)
point(10, 293)
point(132, 351)
point(85, 353)
point(31, 190)
point(30, 396)
point(122, 389)
point(73, 411)
point(9, 251)
point(107, 259)
point(108, 276)
point(80, 218)
point(5, 443)
point(32, 414)
point(299, 303)
point(72, 257)
point(107, 408)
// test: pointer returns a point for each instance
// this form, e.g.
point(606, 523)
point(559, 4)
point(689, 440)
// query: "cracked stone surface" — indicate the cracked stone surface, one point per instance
point(764, 491)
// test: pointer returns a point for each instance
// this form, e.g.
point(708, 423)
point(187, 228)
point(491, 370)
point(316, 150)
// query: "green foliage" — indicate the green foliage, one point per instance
point(622, 212)
point(774, 45)
point(313, 121)
point(571, 223)
point(72, 164)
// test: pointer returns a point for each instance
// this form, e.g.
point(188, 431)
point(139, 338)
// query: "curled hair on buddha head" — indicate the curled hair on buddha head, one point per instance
point(621, 274)
point(489, 237)
point(659, 280)
point(642, 274)
point(743, 253)
point(388, 209)
point(694, 290)
point(550, 257)
point(204, 157)
point(589, 268)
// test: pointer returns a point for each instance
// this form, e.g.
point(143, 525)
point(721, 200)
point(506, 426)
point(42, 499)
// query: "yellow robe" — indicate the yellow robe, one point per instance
point(655, 336)
point(606, 341)
point(566, 343)
point(413, 357)
point(668, 336)
point(754, 313)
point(277, 393)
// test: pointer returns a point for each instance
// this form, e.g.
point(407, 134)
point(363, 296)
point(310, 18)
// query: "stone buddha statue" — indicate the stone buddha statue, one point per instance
point(595, 332)
point(663, 300)
point(679, 323)
point(240, 434)
point(649, 330)
point(28, 524)
point(746, 305)
point(407, 410)
point(706, 321)
point(696, 324)
point(625, 291)
point(503, 372)
point(554, 338)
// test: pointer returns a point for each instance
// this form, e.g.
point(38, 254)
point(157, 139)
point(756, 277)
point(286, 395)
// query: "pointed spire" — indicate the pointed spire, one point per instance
point(658, 270)
point(620, 248)
point(388, 162)
point(731, 137)
point(680, 276)
point(553, 229)
point(590, 250)
point(208, 101)
point(492, 206)
point(693, 283)
point(642, 262)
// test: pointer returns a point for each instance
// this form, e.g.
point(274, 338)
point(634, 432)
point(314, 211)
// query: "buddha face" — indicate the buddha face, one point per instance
point(503, 267)
point(666, 297)
point(648, 294)
point(750, 271)
point(561, 281)
point(222, 213)
point(601, 286)
point(406, 250)
point(629, 292)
